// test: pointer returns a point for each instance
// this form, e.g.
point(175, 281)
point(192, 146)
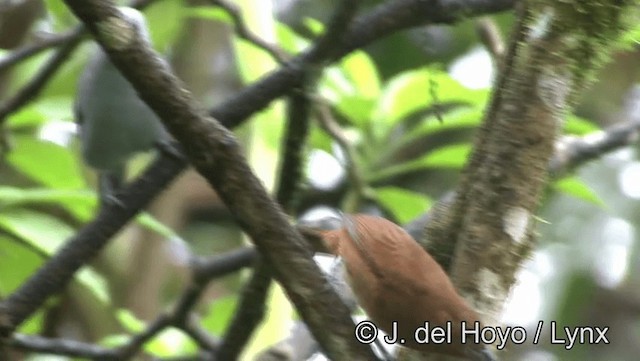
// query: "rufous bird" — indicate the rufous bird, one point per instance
point(395, 279)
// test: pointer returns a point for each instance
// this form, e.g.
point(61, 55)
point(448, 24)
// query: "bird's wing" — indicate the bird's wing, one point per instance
point(385, 243)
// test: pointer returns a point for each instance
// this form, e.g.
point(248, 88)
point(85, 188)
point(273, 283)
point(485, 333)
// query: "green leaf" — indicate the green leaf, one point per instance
point(465, 117)
point(18, 263)
point(362, 73)
point(26, 117)
point(44, 235)
point(80, 203)
point(334, 85)
point(47, 163)
point(209, 13)
point(92, 281)
point(404, 204)
point(219, 314)
point(129, 321)
point(356, 108)
point(353, 87)
point(451, 156)
point(579, 126)
point(114, 341)
point(151, 223)
point(42, 232)
point(318, 139)
point(59, 14)
point(315, 26)
point(54, 108)
point(253, 62)
point(34, 324)
point(289, 40)
point(170, 342)
point(414, 90)
point(629, 39)
point(577, 188)
point(63, 84)
point(163, 27)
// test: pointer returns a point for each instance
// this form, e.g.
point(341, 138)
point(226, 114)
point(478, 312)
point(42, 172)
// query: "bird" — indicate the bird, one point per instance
point(114, 123)
point(395, 279)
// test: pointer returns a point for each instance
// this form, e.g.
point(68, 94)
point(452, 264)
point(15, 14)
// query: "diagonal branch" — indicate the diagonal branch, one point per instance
point(32, 89)
point(555, 50)
point(383, 20)
point(252, 302)
point(242, 30)
point(54, 274)
point(30, 50)
point(216, 155)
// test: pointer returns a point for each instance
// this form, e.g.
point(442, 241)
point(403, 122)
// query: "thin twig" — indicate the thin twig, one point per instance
point(242, 30)
point(253, 298)
point(491, 38)
point(385, 19)
point(572, 151)
point(250, 312)
point(30, 50)
point(351, 166)
point(137, 341)
point(31, 90)
point(35, 85)
point(63, 347)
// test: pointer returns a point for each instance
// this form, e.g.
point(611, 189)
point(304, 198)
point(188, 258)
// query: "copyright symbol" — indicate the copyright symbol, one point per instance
point(366, 332)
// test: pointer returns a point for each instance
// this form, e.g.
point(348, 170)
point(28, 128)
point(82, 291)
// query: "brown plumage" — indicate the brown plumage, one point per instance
point(395, 279)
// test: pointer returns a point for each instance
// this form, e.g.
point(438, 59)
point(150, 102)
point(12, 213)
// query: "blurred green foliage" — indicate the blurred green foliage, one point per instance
point(382, 112)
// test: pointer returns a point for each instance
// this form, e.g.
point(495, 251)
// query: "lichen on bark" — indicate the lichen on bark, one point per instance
point(556, 49)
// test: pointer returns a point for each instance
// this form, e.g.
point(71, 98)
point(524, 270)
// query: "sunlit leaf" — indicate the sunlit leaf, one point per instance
point(318, 139)
point(170, 342)
point(629, 39)
point(59, 107)
point(17, 264)
point(115, 340)
point(92, 281)
point(461, 118)
point(353, 86)
point(26, 117)
point(289, 40)
point(34, 324)
point(362, 73)
point(253, 62)
point(59, 14)
point(356, 108)
point(42, 232)
point(452, 156)
point(579, 126)
point(45, 162)
point(219, 314)
point(163, 27)
point(208, 12)
point(315, 26)
point(413, 90)
point(404, 204)
point(577, 188)
point(129, 321)
point(81, 203)
point(334, 85)
point(148, 221)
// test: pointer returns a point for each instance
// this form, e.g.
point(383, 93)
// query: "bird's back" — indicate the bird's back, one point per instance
point(121, 124)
